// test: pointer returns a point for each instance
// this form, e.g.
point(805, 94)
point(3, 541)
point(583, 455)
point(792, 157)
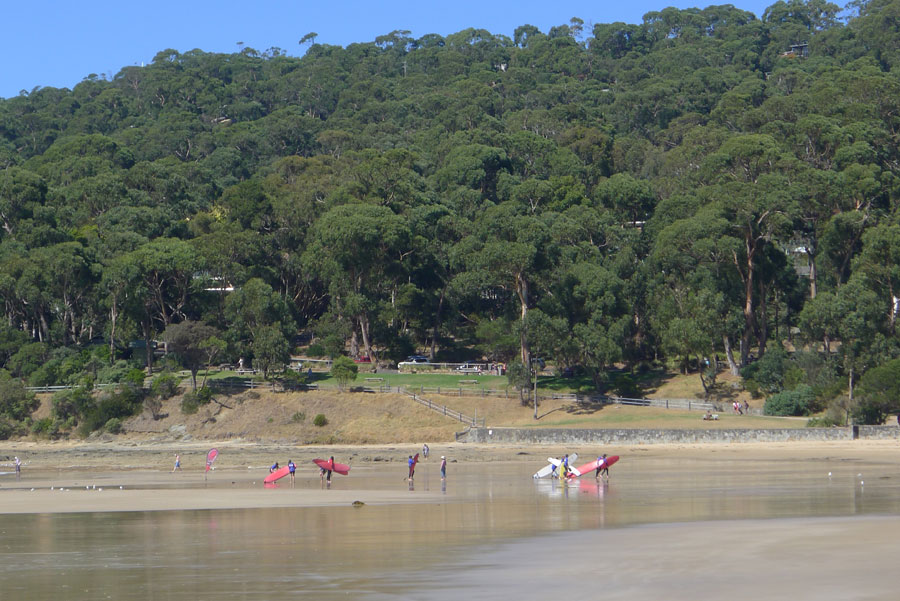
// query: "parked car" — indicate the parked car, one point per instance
point(363, 359)
point(417, 359)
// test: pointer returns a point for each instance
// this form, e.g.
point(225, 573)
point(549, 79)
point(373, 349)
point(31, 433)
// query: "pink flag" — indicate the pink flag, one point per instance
point(210, 457)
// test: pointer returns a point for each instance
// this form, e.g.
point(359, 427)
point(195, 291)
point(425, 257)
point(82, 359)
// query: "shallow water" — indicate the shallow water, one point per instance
point(493, 532)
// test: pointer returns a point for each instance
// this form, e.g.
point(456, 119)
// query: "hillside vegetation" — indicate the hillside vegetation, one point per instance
point(704, 188)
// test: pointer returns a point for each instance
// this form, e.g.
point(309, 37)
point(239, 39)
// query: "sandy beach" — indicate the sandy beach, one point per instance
point(136, 477)
point(797, 520)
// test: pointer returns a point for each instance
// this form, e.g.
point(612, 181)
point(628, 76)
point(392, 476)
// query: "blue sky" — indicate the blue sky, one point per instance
point(55, 43)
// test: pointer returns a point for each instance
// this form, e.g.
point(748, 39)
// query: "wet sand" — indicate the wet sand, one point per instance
point(139, 477)
point(740, 521)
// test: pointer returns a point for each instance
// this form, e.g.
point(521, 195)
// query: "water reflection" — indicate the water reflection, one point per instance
point(330, 552)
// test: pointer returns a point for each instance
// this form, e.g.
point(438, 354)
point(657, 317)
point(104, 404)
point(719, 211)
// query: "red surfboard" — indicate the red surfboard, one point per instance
point(326, 464)
point(277, 475)
point(589, 467)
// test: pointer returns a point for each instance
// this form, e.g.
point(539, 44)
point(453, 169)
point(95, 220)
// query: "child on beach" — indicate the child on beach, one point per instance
point(443, 468)
point(177, 462)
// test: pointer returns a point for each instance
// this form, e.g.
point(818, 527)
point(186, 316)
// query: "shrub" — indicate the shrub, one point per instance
point(113, 425)
point(626, 387)
point(315, 350)
point(790, 402)
point(822, 422)
point(15, 402)
point(123, 402)
point(74, 403)
point(344, 370)
point(198, 397)
point(292, 379)
point(164, 386)
point(320, 420)
point(189, 404)
point(768, 372)
point(44, 427)
point(299, 417)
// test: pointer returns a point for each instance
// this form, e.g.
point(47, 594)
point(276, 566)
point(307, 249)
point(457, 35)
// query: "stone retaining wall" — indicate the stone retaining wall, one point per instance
point(573, 436)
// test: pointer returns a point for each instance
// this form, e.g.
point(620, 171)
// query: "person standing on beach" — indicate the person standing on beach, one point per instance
point(412, 468)
point(564, 467)
point(177, 462)
point(443, 468)
point(425, 451)
point(291, 468)
point(601, 466)
point(328, 474)
point(18, 466)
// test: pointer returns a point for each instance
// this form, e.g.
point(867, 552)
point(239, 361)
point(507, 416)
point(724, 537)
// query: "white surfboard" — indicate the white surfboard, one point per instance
point(554, 463)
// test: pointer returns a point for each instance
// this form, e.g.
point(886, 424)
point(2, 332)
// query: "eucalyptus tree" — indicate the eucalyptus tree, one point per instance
point(359, 251)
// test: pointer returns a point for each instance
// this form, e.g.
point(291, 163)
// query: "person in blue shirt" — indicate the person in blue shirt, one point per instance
point(291, 468)
point(274, 467)
point(412, 467)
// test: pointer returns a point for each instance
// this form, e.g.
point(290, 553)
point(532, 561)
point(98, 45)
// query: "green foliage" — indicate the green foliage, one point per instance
point(320, 420)
point(344, 370)
point(790, 402)
point(164, 386)
point(113, 425)
point(520, 378)
point(636, 192)
point(16, 404)
point(121, 403)
point(292, 379)
point(315, 350)
point(298, 417)
point(627, 387)
point(189, 404)
point(878, 394)
point(768, 372)
point(72, 404)
point(45, 427)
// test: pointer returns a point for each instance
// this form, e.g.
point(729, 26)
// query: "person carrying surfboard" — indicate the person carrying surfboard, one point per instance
point(328, 472)
point(412, 466)
point(601, 466)
point(274, 467)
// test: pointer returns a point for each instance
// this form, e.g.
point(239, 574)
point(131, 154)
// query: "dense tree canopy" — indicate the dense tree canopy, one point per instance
point(701, 183)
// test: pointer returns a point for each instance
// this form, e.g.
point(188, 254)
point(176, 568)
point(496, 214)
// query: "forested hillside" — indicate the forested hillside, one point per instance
point(704, 183)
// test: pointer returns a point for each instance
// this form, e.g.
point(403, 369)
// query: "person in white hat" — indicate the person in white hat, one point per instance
point(443, 468)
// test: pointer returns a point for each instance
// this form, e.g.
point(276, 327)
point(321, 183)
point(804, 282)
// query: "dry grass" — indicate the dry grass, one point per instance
point(363, 418)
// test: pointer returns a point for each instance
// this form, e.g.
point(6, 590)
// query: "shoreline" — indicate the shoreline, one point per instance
point(136, 477)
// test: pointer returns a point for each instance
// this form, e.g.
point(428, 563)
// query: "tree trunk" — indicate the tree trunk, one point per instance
point(762, 324)
point(148, 343)
point(522, 291)
point(354, 344)
point(436, 323)
point(113, 320)
point(729, 354)
point(364, 330)
point(813, 285)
